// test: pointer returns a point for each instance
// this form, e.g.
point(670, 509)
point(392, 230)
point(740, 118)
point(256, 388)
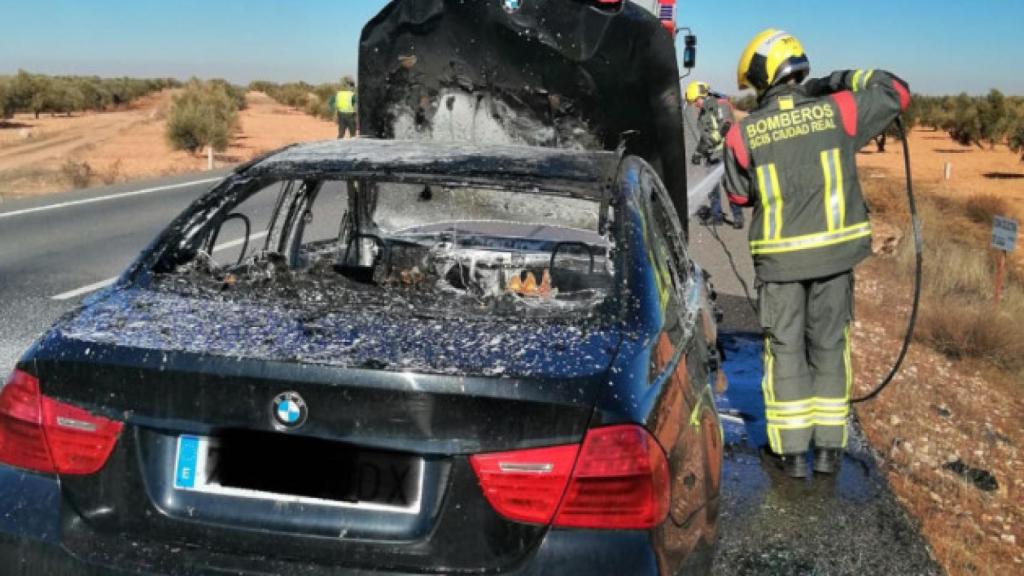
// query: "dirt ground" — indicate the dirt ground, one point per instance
point(974, 170)
point(937, 412)
point(129, 144)
point(940, 411)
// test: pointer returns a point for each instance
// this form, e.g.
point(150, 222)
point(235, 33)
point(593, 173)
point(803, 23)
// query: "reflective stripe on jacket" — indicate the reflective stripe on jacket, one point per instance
point(794, 160)
point(344, 101)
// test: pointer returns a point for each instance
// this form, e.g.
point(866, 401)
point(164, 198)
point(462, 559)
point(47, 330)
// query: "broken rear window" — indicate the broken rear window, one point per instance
point(403, 207)
point(423, 248)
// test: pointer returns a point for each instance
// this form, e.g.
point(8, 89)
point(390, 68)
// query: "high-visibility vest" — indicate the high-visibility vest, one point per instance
point(344, 101)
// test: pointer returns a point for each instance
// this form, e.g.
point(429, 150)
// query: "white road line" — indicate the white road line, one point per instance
point(104, 198)
point(104, 283)
point(85, 289)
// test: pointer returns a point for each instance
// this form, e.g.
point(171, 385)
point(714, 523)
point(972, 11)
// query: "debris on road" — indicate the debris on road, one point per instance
point(982, 479)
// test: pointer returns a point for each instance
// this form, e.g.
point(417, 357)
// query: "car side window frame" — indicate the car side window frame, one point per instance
point(672, 332)
point(664, 211)
point(689, 290)
point(661, 239)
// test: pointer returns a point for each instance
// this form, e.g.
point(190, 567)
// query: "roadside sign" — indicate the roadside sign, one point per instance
point(1004, 239)
point(1004, 234)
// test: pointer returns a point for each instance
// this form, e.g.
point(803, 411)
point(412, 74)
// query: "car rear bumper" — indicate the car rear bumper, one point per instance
point(31, 545)
point(561, 554)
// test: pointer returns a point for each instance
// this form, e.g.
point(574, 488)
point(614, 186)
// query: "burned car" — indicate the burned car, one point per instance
point(380, 356)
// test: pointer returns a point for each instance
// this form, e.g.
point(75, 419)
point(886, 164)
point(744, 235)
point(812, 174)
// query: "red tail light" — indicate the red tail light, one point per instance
point(22, 442)
point(525, 485)
point(38, 433)
point(620, 481)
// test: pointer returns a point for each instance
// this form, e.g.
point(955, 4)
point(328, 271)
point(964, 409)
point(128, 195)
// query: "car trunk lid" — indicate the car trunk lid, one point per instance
point(205, 381)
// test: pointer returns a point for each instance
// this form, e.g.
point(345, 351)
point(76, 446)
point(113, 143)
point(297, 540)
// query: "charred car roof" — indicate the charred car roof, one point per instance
point(572, 171)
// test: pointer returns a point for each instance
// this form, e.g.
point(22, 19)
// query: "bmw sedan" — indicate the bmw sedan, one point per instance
point(383, 357)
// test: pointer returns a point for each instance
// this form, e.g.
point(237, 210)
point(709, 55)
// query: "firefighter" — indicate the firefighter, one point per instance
point(344, 105)
point(714, 117)
point(793, 160)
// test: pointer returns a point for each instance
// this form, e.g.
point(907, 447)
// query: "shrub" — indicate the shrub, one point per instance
point(957, 316)
point(236, 93)
point(77, 174)
point(315, 107)
point(112, 174)
point(204, 114)
point(982, 208)
point(312, 100)
point(961, 329)
point(262, 86)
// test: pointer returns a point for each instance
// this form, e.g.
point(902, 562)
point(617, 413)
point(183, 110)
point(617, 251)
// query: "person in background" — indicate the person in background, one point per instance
point(714, 118)
point(344, 104)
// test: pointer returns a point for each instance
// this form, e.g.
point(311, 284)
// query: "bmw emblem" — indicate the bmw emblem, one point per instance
point(512, 5)
point(288, 411)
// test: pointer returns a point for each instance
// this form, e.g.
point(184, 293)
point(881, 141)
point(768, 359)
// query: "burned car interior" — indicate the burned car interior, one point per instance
point(432, 247)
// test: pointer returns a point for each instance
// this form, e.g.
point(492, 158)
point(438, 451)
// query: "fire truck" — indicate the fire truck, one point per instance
point(665, 10)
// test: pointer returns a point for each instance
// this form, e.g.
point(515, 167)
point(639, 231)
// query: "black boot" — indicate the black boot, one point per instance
point(795, 465)
point(737, 223)
point(826, 460)
point(704, 215)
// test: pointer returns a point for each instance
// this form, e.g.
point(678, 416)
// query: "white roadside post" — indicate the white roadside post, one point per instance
point(1004, 239)
point(209, 157)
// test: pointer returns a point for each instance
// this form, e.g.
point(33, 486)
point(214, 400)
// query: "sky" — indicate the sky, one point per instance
point(940, 47)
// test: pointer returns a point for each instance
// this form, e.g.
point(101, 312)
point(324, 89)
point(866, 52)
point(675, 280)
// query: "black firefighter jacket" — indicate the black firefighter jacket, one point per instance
point(794, 160)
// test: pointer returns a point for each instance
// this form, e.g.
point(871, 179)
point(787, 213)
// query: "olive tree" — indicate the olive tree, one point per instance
point(203, 115)
point(6, 103)
point(994, 118)
point(1016, 140)
point(965, 124)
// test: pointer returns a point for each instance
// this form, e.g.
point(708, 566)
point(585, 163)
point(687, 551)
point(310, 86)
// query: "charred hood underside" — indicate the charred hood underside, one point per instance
point(556, 73)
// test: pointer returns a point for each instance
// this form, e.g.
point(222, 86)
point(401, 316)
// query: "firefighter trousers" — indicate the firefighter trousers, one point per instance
point(807, 368)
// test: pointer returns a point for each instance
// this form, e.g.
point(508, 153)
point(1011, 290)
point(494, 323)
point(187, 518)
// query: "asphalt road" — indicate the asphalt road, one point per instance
point(56, 250)
point(62, 245)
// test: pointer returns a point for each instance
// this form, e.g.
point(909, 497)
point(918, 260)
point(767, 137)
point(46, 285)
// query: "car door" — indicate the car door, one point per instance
point(686, 421)
point(680, 396)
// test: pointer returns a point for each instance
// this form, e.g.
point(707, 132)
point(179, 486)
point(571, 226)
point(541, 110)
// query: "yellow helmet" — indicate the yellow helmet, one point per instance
point(697, 90)
point(772, 55)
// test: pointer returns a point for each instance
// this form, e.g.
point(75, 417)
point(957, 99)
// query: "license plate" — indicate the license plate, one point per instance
point(372, 480)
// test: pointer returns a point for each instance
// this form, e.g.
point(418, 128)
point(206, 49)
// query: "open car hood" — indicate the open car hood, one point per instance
point(557, 73)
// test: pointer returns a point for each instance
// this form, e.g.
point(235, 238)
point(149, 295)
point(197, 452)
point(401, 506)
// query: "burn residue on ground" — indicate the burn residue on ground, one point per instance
point(848, 524)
